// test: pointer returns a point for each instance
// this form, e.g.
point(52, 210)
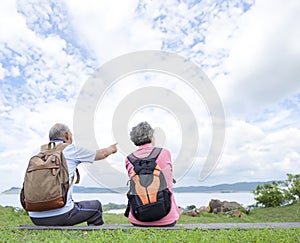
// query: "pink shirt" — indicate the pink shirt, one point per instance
point(165, 163)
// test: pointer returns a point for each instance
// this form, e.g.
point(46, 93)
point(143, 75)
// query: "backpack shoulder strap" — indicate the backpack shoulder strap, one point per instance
point(131, 158)
point(60, 146)
point(153, 155)
point(77, 177)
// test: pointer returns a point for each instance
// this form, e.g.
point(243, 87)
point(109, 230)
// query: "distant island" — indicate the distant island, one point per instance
point(235, 187)
point(225, 188)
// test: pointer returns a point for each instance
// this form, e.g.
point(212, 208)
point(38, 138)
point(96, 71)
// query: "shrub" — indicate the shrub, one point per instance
point(293, 185)
point(269, 195)
point(279, 192)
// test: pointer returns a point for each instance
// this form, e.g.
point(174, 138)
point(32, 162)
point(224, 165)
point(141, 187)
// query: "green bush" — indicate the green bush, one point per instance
point(269, 195)
point(279, 192)
point(293, 185)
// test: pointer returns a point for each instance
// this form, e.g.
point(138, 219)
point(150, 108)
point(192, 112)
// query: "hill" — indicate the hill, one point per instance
point(235, 187)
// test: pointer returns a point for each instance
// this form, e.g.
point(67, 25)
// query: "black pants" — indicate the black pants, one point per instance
point(85, 211)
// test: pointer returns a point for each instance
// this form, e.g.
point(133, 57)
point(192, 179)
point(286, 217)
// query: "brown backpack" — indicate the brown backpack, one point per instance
point(46, 181)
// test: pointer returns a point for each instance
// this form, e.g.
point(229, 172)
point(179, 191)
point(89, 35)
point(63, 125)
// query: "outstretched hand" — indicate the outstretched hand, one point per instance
point(113, 148)
point(103, 153)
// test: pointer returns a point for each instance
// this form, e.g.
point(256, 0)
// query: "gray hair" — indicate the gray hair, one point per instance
point(141, 134)
point(58, 131)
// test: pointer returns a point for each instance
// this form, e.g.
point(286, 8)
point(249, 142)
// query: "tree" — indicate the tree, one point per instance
point(293, 185)
point(279, 192)
point(270, 195)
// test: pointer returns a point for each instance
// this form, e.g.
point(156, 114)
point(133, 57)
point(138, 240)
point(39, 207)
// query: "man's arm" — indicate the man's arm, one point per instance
point(103, 153)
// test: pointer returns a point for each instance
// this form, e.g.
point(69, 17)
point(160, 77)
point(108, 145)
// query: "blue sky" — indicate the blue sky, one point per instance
point(249, 50)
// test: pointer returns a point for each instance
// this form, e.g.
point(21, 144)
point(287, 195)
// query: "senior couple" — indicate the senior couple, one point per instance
point(90, 211)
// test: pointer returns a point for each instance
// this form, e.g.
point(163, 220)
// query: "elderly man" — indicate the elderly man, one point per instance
point(73, 212)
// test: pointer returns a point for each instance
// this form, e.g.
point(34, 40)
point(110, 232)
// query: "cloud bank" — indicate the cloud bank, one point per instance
point(249, 50)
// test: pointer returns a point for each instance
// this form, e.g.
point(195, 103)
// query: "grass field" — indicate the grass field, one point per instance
point(9, 218)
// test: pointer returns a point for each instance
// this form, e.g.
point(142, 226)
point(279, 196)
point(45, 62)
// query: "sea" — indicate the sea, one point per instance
point(182, 199)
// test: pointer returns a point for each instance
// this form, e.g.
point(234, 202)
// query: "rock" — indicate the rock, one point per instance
point(235, 213)
point(215, 206)
point(203, 209)
point(192, 213)
point(218, 210)
point(228, 206)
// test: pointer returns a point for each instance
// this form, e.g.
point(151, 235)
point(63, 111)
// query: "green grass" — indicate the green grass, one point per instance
point(10, 218)
point(154, 235)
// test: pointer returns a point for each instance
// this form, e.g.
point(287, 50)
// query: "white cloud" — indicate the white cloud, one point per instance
point(264, 59)
point(25, 128)
point(2, 72)
point(255, 154)
point(48, 51)
point(251, 154)
point(10, 32)
point(111, 28)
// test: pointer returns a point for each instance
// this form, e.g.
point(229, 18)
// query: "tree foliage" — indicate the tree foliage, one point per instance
point(279, 193)
point(293, 185)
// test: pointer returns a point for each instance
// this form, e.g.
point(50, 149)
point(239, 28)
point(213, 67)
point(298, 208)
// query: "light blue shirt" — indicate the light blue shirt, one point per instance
point(74, 156)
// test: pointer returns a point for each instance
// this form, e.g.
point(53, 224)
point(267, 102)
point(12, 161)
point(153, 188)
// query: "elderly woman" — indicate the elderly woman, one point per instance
point(142, 136)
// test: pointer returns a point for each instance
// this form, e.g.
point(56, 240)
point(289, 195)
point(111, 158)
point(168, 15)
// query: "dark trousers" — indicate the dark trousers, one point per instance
point(85, 211)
